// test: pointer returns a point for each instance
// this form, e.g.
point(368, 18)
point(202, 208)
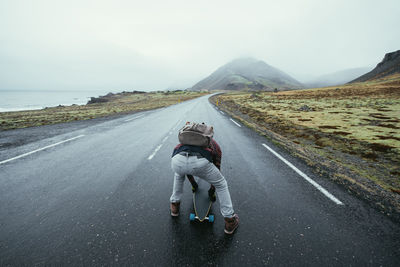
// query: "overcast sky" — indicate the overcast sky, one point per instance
point(154, 45)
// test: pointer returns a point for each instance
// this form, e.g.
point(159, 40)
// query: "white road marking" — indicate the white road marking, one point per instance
point(177, 124)
point(159, 147)
point(155, 152)
point(40, 149)
point(308, 179)
point(137, 117)
point(222, 113)
point(236, 123)
point(163, 141)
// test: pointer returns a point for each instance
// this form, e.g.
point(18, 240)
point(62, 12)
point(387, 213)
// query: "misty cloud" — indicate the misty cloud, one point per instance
point(159, 44)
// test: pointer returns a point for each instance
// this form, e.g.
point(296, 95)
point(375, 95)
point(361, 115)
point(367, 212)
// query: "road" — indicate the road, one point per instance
point(98, 194)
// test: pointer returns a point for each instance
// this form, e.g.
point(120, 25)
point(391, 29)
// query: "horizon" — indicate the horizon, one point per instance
point(306, 81)
point(129, 45)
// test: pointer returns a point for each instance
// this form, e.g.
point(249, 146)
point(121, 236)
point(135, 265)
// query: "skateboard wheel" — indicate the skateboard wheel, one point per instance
point(192, 216)
point(211, 218)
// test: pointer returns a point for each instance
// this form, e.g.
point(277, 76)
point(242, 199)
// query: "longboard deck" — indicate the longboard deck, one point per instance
point(201, 202)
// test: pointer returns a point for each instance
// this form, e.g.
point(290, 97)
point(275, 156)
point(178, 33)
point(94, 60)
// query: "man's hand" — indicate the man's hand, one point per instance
point(211, 193)
point(218, 165)
point(193, 182)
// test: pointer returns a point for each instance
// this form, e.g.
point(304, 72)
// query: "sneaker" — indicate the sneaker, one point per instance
point(175, 209)
point(231, 224)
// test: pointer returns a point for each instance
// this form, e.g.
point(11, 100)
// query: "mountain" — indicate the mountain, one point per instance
point(388, 66)
point(337, 78)
point(247, 73)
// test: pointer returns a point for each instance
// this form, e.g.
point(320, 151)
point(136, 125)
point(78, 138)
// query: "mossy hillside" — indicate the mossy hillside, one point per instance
point(360, 120)
point(374, 121)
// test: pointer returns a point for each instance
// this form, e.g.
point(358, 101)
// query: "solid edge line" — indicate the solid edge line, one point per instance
point(40, 149)
point(236, 123)
point(308, 179)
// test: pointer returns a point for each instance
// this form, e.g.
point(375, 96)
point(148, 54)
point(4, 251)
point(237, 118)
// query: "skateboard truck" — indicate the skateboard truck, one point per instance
point(209, 218)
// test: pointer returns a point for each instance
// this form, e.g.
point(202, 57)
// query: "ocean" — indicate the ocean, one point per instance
point(16, 100)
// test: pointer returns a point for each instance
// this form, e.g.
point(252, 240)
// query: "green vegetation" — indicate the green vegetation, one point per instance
point(122, 103)
point(354, 125)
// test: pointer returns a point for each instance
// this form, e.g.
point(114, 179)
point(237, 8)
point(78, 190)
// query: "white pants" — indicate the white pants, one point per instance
point(204, 169)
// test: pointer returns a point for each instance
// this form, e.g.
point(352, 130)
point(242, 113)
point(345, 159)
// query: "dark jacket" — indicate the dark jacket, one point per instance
point(213, 152)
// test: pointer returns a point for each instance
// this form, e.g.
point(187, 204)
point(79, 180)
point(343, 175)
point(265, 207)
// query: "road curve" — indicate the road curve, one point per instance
point(98, 194)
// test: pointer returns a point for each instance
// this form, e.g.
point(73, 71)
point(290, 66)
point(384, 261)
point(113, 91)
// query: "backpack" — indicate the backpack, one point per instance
point(196, 134)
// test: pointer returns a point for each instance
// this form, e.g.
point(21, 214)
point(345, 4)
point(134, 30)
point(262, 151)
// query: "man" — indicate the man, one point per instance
point(204, 163)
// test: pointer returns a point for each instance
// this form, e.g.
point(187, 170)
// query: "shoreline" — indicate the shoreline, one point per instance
point(110, 104)
point(26, 100)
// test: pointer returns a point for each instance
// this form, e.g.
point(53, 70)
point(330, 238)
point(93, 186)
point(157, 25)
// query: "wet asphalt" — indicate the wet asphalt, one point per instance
point(103, 199)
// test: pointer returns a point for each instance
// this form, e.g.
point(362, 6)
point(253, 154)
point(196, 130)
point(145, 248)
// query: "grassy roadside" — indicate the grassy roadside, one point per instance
point(349, 132)
point(122, 103)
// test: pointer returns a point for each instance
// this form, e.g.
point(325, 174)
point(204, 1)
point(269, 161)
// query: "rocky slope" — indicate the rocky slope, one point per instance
point(388, 66)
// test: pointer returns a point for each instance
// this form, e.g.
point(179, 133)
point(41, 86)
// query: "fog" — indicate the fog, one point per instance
point(155, 45)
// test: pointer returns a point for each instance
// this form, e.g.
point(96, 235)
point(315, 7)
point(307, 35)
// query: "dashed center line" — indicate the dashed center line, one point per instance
point(40, 149)
point(236, 123)
point(137, 117)
point(308, 179)
point(155, 152)
point(162, 142)
point(177, 124)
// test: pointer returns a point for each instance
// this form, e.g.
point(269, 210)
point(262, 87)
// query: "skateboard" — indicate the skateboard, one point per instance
point(202, 200)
